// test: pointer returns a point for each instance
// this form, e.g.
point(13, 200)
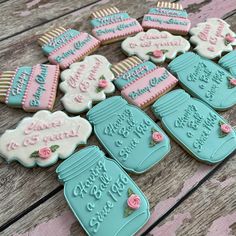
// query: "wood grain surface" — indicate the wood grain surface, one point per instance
point(29, 191)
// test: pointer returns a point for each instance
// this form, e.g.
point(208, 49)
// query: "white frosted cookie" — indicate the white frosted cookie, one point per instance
point(86, 82)
point(212, 38)
point(43, 138)
point(155, 45)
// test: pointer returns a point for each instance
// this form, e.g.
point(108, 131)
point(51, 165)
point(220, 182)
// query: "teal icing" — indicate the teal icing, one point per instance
point(195, 126)
point(133, 74)
point(229, 62)
point(96, 190)
point(125, 131)
point(204, 79)
point(106, 20)
point(59, 41)
point(19, 85)
point(168, 12)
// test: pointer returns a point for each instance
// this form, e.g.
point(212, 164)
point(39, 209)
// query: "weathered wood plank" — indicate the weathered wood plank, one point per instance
point(210, 211)
point(28, 14)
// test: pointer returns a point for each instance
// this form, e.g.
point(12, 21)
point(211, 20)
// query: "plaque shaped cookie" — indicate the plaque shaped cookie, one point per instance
point(229, 63)
point(110, 25)
point(86, 82)
point(195, 126)
point(66, 46)
point(205, 79)
point(31, 88)
point(129, 135)
point(212, 38)
point(142, 82)
point(45, 137)
point(100, 192)
point(155, 45)
point(167, 16)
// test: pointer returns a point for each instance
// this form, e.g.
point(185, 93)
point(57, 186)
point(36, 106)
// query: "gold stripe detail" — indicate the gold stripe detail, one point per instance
point(125, 65)
point(105, 12)
point(176, 6)
point(48, 36)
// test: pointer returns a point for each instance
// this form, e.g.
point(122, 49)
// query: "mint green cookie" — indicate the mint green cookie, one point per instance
point(205, 79)
point(229, 62)
point(104, 199)
point(195, 126)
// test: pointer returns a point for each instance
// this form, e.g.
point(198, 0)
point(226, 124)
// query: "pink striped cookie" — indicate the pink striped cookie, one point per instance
point(167, 16)
point(66, 46)
point(110, 25)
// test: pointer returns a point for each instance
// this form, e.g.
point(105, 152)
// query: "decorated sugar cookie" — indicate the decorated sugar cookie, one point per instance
point(110, 25)
point(155, 45)
point(66, 46)
point(205, 79)
point(212, 38)
point(229, 63)
point(167, 16)
point(31, 88)
point(45, 137)
point(100, 192)
point(130, 136)
point(195, 126)
point(86, 82)
point(142, 82)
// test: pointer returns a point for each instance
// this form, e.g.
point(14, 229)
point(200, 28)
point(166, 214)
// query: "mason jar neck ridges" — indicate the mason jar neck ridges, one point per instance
point(106, 109)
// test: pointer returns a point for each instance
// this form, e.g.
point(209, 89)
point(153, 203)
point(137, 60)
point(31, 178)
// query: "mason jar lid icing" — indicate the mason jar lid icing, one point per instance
point(103, 111)
point(229, 60)
point(169, 103)
point(183, 61)
point(78, 162)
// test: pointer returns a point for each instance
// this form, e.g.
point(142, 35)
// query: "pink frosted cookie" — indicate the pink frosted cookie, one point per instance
point(167, 16)
point(110, 25)
point(142, 82)
point(31, 88)
point(66, 46)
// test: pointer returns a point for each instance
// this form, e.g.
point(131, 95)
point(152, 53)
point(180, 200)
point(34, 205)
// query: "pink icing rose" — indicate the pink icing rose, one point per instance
point(233, 82)
point(134, 201)
point(45, 152)
point(158, 53)
point(229, 38)
point(225, 128)
point(102, 83)
point(157, 137)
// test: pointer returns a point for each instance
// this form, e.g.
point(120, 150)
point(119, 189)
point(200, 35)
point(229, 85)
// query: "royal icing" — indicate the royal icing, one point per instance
point(64, 47)
point(205, 80)
point(100, 192)
point(43, 138)
point(167, 16)
point(86, 82)
point(32, 88)
point(126, 133)
point(109, 24)
point(229, 63)
point(142, 83)
point(195, 126)
point(155, 45)
point(212, 38)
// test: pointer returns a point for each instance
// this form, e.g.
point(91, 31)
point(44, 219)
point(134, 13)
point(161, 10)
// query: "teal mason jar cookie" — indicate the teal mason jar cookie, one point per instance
point(205, 79)
point(128, 134)
point(104, 199)
point(195, 126)
point(229, 63)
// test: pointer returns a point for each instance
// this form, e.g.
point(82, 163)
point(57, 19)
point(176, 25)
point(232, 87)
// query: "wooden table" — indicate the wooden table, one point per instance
point(186, 196)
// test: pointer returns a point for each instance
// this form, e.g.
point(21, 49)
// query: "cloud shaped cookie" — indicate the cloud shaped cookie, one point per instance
point(43, 138)
point(86, 82)
point(155, 45)
point(212, 38)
